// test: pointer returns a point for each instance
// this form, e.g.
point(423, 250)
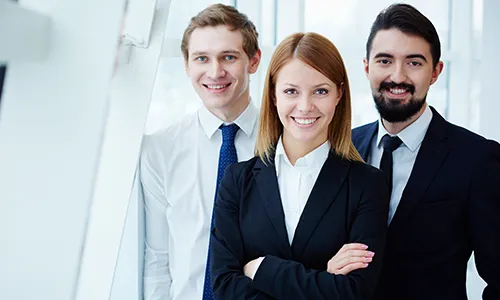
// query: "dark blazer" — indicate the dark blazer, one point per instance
point(449, 207)
point(349, 203)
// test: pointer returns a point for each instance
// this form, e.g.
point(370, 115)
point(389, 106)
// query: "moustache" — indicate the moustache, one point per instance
point(392, 85)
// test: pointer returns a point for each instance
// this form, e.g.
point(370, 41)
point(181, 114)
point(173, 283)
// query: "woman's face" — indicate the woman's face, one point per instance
point(306, 102)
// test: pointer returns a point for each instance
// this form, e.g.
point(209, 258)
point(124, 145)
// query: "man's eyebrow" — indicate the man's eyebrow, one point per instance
point(199, 53)
point(236, 52)
point(417, 56)
point(387, 55)
point(225, 52)
point(383, 54)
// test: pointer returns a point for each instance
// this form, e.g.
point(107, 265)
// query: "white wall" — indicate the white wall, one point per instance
point(51, 128)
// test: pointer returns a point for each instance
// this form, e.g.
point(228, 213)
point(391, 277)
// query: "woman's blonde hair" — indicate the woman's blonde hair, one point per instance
point(320, 53)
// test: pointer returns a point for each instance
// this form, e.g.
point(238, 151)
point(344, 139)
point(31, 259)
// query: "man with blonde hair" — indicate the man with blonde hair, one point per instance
point(181, 166)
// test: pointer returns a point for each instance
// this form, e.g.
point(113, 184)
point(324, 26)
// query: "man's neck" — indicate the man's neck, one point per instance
point(397, 127)
point(231, 113)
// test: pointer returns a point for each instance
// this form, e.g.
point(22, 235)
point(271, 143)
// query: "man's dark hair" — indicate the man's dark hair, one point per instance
point(409, 20)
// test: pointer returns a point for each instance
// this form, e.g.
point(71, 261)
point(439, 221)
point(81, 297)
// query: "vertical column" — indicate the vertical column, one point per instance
point(114, 242)
point(460, 66)
point(52, 123)
point(253, 9)
point(289, 18)
point(490, 102)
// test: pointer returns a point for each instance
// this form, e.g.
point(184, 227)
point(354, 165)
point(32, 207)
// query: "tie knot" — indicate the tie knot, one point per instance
point(391, 143)
point(229, 132)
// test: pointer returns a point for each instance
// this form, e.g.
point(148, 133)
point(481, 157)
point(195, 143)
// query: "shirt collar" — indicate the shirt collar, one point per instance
point(245, 121)
point(280, 156)
point(313, 161)
point(413, 135)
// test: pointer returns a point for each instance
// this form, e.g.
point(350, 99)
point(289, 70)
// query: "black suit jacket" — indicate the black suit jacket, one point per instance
point(349, 203)
point(449, 207)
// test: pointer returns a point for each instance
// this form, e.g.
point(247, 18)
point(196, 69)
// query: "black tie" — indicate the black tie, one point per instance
point(390, 143)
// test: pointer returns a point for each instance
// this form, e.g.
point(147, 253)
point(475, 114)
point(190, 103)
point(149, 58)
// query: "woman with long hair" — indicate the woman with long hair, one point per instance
point(281, 217)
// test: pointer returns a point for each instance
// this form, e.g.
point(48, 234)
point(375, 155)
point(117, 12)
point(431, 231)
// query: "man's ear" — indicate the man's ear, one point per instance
point(366, 66)
point(254, 62)
point(186, 67)
point(436, 72)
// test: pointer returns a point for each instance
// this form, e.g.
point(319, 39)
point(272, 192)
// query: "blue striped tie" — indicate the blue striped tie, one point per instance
point(227, 156)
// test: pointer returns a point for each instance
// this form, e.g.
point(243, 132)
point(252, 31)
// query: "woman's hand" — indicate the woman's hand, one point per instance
point(349, 258)
point(251, 267)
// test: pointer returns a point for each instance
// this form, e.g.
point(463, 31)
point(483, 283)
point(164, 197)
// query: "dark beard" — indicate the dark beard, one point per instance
point(391, 110)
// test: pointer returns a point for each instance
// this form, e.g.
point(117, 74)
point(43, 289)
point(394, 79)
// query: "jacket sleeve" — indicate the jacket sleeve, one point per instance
point(484, 222)
point(227, 254)
point(284, 279)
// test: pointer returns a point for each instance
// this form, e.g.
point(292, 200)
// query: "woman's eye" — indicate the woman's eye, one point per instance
point(321, 92)
point(290, 91)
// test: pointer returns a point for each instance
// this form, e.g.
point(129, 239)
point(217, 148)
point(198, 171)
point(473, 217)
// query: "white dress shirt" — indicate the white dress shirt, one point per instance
point(404, 157)
point(296, 182)
point(178, 172)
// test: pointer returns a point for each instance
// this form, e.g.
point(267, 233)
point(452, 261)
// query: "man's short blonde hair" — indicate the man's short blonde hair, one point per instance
point(220, 14)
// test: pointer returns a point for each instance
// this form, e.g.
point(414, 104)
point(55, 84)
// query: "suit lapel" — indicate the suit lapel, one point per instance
point(329, 182)
point(430, 157)
point(363, 145)
point(267, 183)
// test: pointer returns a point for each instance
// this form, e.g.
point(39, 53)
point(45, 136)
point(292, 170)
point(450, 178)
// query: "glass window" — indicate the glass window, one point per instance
point(477, 34)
